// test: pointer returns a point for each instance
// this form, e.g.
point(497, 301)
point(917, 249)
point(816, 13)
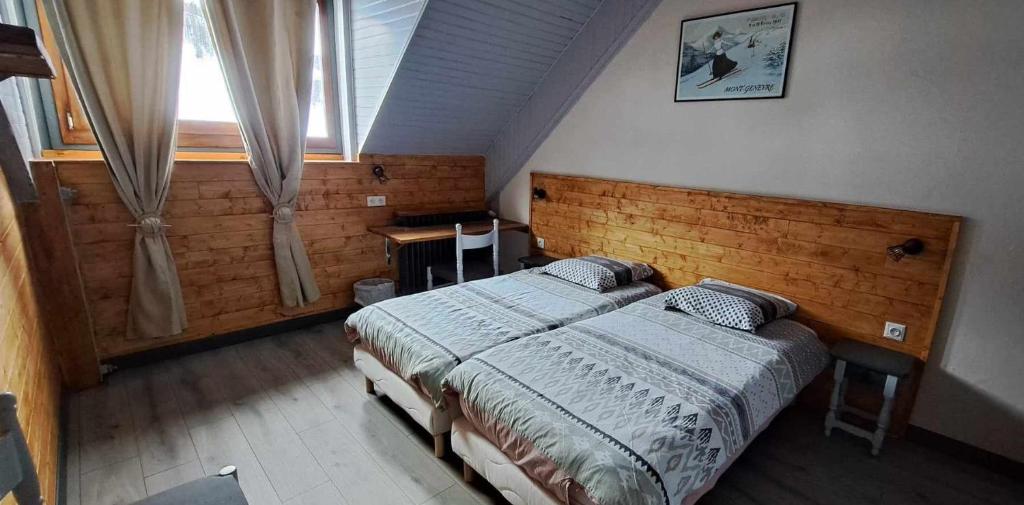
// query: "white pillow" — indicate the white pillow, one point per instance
point(729, 305)
point(597, 272)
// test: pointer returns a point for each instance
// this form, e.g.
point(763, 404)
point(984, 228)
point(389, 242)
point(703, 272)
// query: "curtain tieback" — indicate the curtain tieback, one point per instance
point(284, 214)
point(150, 225)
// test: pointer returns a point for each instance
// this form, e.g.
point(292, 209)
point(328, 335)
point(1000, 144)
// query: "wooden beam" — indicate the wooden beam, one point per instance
point(13, 163)
point(58, 280)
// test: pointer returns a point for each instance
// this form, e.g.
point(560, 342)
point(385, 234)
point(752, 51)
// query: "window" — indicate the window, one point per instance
point(205, 115)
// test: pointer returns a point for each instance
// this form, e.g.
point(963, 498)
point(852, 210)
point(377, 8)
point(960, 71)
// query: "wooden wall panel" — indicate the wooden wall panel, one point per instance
point(220, 236)
point(28, 364)
point(58, 281)
point(830, 258)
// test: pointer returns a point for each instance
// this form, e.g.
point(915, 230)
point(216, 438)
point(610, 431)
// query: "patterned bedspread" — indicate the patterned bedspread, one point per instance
point(642, 405)
point(424, 336)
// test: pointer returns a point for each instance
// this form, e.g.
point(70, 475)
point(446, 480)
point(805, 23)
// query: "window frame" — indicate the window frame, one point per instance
point(75, 130)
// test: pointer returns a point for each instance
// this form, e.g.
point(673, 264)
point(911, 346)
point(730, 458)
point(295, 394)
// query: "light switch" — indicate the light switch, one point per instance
point(895, 331)
point(376, 201)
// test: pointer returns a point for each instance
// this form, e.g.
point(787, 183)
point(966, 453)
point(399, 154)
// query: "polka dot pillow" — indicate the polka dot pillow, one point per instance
point(597, 272)
point(729, 305)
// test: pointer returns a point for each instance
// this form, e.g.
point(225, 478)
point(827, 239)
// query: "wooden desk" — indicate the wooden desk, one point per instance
point(402, 235)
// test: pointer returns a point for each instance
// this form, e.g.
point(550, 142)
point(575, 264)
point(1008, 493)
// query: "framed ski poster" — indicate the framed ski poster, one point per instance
point(734, 56)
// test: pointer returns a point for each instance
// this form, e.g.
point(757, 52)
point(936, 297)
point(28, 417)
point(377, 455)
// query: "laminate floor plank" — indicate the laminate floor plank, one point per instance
point(106, 427)
point(221, 443)
point(172, 477)
point(407, 461)
point(481, 491)
point(353, 471)
point(330, 342)
point(304, 352)
point(324, 494)
point(402, 457)
point(289, 465)
point(162, 435)
point(118, 483)
point(300, 406)
point(455, 495)
point(200, 389)
point(151, 390)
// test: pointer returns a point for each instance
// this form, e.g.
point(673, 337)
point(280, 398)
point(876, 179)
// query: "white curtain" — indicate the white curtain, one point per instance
point(266, 51)
point(124, 57)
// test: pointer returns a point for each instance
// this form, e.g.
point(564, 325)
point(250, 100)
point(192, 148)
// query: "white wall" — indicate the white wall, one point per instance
point(908, 104)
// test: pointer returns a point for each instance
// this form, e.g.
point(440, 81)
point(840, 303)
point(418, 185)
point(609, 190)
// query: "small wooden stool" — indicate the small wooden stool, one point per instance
point(893, 365)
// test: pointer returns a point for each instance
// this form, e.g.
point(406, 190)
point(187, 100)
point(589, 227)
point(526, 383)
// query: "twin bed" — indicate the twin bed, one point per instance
point(558, 393)
point(408, 345)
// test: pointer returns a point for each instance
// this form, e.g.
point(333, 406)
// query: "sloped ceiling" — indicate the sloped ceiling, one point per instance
point(469, 67)
point(380, 32)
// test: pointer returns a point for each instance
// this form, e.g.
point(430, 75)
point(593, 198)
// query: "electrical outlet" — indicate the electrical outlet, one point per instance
point(540, 243)
point(376, 201)
point(895, 331)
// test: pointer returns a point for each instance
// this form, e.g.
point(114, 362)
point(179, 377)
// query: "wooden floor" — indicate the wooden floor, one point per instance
point(290, 412)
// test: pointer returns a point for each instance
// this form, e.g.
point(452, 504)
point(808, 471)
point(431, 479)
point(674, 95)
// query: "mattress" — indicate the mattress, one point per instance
point(422, 337)
point(641, 405)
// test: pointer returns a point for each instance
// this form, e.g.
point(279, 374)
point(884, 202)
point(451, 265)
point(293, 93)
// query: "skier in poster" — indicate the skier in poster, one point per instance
point(722, 65)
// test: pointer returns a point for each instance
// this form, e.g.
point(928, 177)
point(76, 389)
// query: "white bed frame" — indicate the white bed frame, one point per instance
point(417, 405)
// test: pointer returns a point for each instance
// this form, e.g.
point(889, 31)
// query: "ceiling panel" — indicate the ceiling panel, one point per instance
point(468, 68)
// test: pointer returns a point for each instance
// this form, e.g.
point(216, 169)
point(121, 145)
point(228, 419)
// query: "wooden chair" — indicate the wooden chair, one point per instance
point(460, 270)
point(18, 473)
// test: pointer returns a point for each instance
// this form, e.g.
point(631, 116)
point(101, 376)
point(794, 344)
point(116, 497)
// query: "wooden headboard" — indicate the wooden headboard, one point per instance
point(830, 258)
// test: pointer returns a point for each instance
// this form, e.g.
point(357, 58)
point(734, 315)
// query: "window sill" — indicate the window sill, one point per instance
point(82, 155)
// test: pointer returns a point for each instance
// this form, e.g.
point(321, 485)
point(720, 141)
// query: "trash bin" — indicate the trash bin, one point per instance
point(370, 291)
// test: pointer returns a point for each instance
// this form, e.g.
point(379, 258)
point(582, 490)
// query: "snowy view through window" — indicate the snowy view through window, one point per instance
point(203, 95)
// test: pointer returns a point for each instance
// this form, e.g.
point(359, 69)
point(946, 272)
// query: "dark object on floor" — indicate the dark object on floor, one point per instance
point(894, 366)
point(220, 489)
point(535, 260)
point(17, 472)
